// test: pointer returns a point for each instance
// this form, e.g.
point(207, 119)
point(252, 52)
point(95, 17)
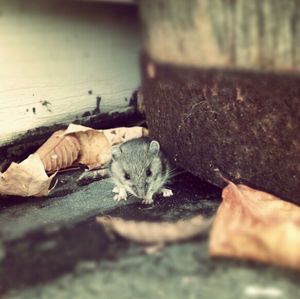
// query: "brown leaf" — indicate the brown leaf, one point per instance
point(76, 144)
point(95, 149)
point(59, 151)
point(83, 145)
point(120, 135)
point(27, 178)
point(155, 232)
point(255, 225)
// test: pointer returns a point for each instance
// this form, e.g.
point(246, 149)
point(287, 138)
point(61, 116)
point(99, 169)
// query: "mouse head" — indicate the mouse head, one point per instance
point(138, 167)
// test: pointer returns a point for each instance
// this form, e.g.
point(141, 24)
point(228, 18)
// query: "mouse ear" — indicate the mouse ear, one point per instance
point(154, 147)
point(115, 152)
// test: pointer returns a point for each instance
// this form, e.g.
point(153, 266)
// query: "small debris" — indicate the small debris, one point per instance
point(154, 249)
point(47, 104)
point(86, 114)
point(257, 291)
point(92, 175)
point(97, 109)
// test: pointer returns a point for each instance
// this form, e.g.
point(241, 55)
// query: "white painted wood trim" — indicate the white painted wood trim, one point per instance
point(53, 53)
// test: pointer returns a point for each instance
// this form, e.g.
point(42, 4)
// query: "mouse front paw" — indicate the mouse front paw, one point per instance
point(120, 194)
point(119, 197)
point(147, 201)
point(166, 192)
point(116, 189)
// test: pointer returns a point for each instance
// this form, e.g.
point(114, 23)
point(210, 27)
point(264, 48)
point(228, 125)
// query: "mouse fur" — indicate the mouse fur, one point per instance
point(139, 167)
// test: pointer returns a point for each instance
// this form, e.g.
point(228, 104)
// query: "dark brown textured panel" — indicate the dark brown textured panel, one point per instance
point(241, 124)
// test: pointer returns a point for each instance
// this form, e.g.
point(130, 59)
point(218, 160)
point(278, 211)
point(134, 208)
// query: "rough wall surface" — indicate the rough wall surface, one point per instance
point(241, 125)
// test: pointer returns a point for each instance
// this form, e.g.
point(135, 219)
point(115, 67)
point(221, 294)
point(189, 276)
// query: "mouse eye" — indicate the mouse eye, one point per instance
point(148, 172)
point(127, 176)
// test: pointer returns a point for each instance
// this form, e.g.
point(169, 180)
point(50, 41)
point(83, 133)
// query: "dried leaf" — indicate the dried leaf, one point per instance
point(120, 135)
point(59, 151)
point(27, 178)
point(95, 149)
point(83, 145)
point(75, 145)
point(255, 225)
point(155, 232)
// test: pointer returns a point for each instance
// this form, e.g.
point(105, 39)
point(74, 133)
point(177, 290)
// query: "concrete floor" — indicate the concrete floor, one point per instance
point(52, 248)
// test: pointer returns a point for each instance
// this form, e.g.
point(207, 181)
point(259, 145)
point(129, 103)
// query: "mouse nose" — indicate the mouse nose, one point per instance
point(141, 193)
point(141, 190)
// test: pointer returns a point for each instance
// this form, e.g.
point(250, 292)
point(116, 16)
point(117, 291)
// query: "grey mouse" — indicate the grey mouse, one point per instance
point(139, 167)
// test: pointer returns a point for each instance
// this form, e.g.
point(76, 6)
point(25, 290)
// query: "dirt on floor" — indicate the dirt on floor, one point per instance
point(53, 248)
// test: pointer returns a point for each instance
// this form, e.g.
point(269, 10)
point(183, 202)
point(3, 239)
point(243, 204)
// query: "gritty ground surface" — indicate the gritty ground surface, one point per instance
point(52, 248)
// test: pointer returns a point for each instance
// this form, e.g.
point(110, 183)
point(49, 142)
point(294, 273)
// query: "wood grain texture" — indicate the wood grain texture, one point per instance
point(57, 57)
point(256, 34)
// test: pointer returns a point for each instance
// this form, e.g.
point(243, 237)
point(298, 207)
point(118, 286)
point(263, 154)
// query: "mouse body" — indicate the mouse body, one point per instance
point(139, 167)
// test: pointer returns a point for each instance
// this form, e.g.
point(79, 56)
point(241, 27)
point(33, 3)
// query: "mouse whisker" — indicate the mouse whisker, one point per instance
point(131, 196)
point(175, 172)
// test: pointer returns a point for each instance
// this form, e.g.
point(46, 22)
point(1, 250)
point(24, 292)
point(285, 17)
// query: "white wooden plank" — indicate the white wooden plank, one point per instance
point(56, 52)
